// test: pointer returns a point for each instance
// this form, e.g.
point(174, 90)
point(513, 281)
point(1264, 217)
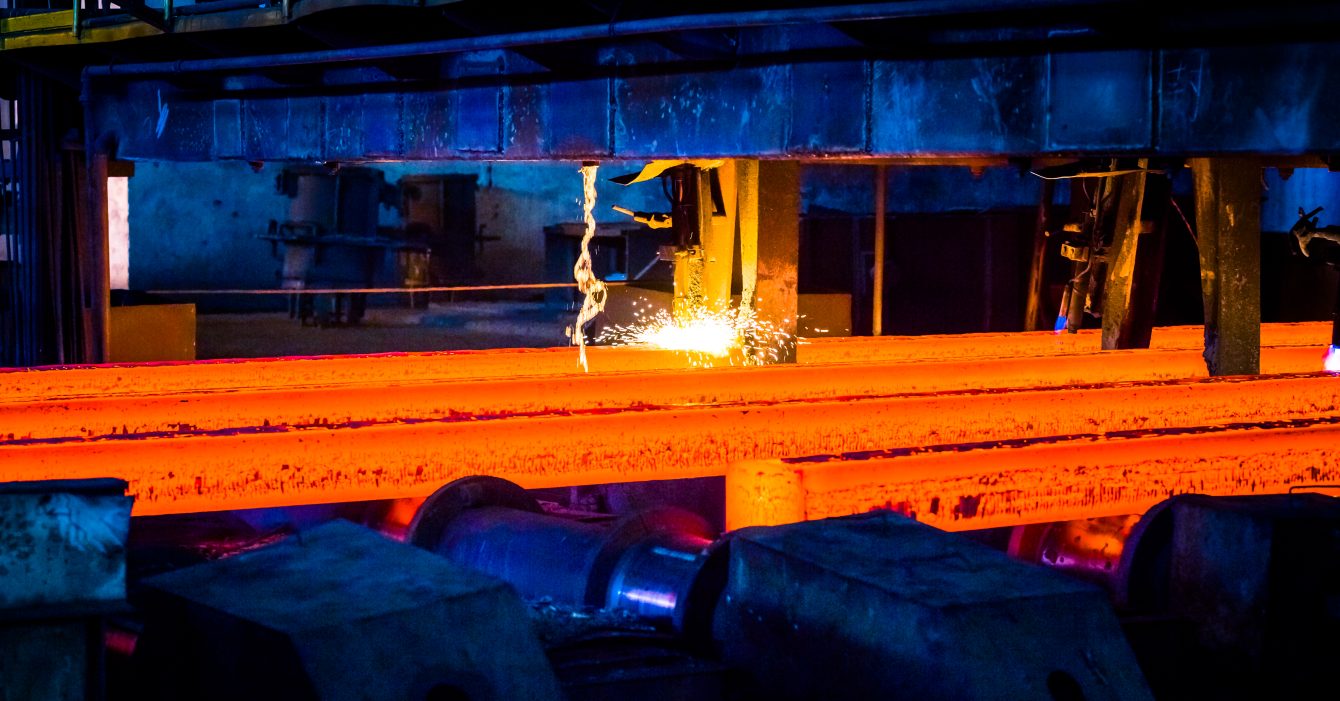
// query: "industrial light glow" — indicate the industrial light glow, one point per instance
point(707, 336)
point(710, 334)
point(1332, 362)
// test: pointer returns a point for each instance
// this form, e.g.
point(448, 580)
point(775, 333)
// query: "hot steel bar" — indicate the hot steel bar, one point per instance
point(1294, 346)
point(192, 470)
point(1084, 476)
point(397, 399)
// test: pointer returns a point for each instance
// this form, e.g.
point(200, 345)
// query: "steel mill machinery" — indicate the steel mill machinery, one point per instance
point(331, 242)
point(1089, 505)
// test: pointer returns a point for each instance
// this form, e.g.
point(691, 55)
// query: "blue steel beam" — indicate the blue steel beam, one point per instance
point(642, 103)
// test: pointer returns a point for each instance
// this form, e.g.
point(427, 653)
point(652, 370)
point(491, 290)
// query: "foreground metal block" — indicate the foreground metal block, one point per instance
point(1250, 584)
point(879, 606)
point(338, 612)
point(62, 567)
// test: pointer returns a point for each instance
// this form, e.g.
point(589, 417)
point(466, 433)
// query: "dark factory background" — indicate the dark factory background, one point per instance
point(745, 350)
point(959, 242)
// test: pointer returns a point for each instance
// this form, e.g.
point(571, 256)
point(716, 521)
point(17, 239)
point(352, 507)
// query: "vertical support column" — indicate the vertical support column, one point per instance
point(746, 198)
point(1122, 258)
point(718, 234)
point(1228, 230)
point(97, 293)
point(881, 217)
point(1037, 272)
point(777, 298)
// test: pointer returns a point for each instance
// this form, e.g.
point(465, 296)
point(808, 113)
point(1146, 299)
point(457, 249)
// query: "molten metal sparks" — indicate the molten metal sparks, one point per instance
point(1332, 362)
point(708, 337)
point(587, 282)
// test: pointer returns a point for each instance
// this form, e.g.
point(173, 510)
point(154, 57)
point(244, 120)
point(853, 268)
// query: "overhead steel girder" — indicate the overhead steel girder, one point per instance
point(641, 104)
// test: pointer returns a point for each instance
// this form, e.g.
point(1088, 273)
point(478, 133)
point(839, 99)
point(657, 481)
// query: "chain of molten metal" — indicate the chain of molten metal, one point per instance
point(587, 283)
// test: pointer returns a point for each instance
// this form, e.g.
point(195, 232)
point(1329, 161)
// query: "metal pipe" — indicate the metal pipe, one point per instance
point(657, 563)
point(881, 207)
point(727, 20)
point(542, 556)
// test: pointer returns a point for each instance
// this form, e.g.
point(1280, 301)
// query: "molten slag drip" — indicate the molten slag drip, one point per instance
point(587, 282)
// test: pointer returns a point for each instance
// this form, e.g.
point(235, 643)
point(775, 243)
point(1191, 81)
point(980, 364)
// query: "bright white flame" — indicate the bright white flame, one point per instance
point(1332, 363)
point(706, 336)
point(715, 337)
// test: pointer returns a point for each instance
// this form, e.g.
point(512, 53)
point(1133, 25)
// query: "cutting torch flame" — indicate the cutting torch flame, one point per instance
point(714, 337)
point(1332, 363)
point(709, 337)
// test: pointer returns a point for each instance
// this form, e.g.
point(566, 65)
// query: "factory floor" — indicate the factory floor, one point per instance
point(446, 326)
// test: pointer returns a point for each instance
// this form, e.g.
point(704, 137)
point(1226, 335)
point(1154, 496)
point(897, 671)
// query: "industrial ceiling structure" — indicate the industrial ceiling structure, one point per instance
point(1088, 506)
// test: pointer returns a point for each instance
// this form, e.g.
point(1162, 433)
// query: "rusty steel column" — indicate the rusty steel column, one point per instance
point(1135, 265)
point(1123, 256)
point(1139, 329)
point(97, 291)
point(881, 217)
point(1034, 317)
point(1228, 231)
point(777, 297)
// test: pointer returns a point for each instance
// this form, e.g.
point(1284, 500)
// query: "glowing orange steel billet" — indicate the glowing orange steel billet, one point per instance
point(1036, 343)
point(30, 385)
point(1008, 486)
point(283, 465)
point(491, 398)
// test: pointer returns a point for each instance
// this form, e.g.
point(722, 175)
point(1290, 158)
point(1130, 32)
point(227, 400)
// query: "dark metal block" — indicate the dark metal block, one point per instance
point(428, 123)
point(62, 547)
point(305, 126)
point(978, 105)
point(1261, 99)
point(342, 138)
point(1100, 100)
point(62, 566)
point(339, 612)
point(721, 113)
point(878, 605)
point(265, 129)
point(1255, 579)
point(828, 107)
point(383, 131)
point(577, 116)
point(228, 129)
